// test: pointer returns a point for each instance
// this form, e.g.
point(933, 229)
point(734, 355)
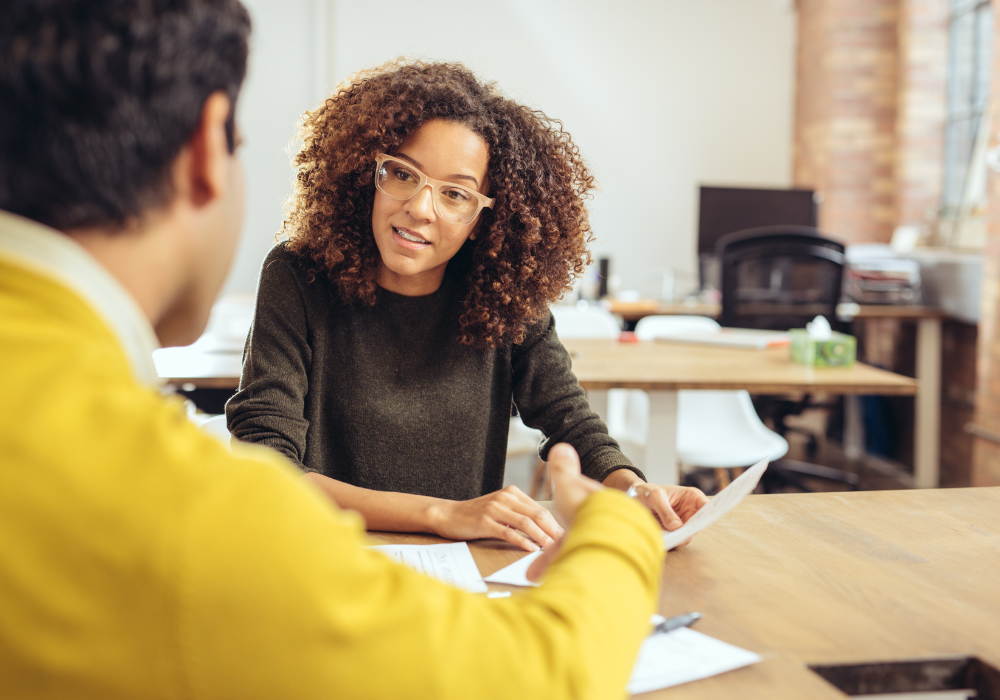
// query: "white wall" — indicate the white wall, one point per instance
point(660, 95)
point(286, 76)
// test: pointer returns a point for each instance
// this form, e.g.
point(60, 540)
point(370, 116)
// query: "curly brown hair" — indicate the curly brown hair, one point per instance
point(527, 250)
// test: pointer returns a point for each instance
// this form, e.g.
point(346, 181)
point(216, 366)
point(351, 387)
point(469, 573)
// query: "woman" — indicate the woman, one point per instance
point(432, 224)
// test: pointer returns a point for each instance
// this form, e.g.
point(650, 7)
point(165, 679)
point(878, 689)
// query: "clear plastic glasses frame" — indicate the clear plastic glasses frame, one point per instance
point(442, 207)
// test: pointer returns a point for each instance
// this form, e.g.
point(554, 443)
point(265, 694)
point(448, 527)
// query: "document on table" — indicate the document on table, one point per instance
point(683, 656)
point(727, 499)
point(517, 573)
point(451, 562)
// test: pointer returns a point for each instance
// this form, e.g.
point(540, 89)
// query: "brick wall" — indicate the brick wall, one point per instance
point(869, 112)
point(921, 109)
point(986, 456)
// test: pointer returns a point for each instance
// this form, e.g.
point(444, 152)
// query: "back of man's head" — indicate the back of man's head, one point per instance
point(98, 97)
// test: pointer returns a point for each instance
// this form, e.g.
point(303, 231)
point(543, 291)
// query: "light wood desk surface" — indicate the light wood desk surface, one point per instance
point(821, 579)
point(635, 310)
point(659, 366)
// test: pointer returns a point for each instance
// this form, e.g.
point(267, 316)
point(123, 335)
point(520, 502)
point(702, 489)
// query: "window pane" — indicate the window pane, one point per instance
point(963, 45)
point(984, 46)
point(958, 146)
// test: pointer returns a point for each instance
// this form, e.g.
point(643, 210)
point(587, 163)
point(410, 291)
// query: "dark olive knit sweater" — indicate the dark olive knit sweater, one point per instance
point(385, 398)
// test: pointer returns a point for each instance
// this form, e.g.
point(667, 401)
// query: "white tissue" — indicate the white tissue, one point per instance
point(819, 329)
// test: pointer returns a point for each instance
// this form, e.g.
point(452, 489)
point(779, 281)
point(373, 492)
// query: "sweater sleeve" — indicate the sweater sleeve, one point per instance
point(282, 600)
point(549, 398)
point(269, 407)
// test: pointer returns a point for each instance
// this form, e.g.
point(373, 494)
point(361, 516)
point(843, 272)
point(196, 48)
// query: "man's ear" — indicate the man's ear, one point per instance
point(204, 174)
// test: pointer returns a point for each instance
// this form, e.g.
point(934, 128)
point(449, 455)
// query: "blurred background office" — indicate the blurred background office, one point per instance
point(878, 107)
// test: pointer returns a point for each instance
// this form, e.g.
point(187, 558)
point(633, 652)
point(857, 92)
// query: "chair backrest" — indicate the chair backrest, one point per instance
point(589, 322)
point(652, 327)
point(779, 277)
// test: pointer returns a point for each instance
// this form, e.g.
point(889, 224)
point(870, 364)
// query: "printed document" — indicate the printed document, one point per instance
point(725, 501)
point(451, 562)
point(683, 656)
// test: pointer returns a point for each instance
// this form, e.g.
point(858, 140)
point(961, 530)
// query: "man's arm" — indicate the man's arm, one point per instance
point(281, 599)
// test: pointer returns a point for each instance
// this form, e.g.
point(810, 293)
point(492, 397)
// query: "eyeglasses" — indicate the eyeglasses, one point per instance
point(398, 179)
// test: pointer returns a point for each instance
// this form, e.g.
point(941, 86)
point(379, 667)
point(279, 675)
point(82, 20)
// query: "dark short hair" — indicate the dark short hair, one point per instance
point(98, 97)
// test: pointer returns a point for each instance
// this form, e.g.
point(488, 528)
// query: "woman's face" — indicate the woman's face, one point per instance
point(414, 242)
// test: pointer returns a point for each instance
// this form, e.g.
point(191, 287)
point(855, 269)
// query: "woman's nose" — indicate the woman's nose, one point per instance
point(421, 204)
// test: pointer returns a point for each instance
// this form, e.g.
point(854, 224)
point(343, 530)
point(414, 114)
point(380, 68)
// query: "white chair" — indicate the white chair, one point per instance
point(653, 327)
point(581, 321)
point(216, 427)
point(717, 429)
point(595, 322)
point(585, 322)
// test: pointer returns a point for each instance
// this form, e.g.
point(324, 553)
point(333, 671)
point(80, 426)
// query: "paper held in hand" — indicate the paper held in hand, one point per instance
point(725, 501)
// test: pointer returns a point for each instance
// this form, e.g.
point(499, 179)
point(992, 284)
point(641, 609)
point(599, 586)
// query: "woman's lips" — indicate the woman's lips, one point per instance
point(398, 236)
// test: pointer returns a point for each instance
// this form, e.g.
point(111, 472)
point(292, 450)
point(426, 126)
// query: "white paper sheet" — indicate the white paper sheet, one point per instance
point(727, 499)
point(451, 562)
point(515, 574)
point(682, 656)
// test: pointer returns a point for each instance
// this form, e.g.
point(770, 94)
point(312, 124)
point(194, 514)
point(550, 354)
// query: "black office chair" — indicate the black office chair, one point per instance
point(779, 277)
point(776, 278)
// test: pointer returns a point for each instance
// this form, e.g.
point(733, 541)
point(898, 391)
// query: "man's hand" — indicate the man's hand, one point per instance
point(570, 489)
point(497, 514)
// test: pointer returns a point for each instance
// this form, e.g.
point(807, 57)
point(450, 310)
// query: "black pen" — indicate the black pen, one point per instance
point(674, 623)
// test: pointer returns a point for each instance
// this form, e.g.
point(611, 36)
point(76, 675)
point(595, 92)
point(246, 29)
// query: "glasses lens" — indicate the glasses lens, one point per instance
point(456, 204)
point(397, 180)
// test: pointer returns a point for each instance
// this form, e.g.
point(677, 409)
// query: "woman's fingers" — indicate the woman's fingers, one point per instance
point(540, 517)
point(687, 500)
point(502, 532)
point(656, 500)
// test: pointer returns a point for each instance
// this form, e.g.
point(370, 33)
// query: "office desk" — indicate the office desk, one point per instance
point(662, 369)
point(927, 431)
point(201, 370)
point(825, 579)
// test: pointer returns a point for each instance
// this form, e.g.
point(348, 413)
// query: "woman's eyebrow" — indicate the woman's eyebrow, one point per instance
point(456, 176)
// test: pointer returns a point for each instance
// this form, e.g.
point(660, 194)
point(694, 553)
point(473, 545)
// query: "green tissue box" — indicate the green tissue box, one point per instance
point(839, 351)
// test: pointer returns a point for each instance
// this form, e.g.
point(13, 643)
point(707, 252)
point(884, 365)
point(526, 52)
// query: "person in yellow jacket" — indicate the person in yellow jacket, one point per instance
point(140, 558)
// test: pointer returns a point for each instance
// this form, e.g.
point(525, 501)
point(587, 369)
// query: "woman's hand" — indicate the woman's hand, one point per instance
point(671, 505)
point(498, 515)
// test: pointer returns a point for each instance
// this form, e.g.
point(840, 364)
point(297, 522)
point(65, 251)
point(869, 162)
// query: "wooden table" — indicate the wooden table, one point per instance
point(927, 431)
point(662, 369)
point(827, 579)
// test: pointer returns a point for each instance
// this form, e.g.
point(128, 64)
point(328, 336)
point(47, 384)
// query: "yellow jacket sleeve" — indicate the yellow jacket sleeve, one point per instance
point(281, 599)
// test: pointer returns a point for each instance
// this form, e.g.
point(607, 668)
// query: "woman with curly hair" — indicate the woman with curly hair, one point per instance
point(432, 224)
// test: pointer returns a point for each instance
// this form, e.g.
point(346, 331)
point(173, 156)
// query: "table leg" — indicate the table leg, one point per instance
point(854, 428)
point(598, 400)
point(927, 441)
point(661, 444)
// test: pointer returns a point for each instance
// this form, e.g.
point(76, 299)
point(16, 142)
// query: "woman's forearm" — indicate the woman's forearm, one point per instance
point(387, 511)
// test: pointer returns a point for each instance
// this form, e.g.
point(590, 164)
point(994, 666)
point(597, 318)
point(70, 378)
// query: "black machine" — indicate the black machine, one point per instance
point(723, 210)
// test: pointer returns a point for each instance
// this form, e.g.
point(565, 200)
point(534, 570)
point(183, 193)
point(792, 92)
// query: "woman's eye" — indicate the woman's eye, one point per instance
point(457, 195)
point(405, 176)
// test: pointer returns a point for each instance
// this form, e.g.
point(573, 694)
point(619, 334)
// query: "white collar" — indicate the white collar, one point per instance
point(58, 256)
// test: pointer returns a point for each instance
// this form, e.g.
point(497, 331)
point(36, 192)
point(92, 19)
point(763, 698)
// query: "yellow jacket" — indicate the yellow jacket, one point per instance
point(141, 559)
